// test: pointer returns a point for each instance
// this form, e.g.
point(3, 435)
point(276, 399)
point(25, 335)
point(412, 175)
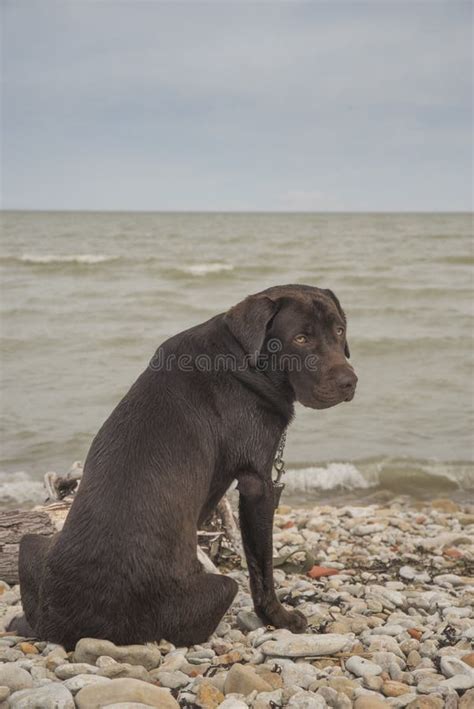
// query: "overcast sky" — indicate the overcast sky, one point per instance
point(152, 105)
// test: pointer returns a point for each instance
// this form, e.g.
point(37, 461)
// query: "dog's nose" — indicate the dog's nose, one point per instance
point(346, 381)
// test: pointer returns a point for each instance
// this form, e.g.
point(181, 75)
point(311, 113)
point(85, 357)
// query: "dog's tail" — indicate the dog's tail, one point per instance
point(20, 625)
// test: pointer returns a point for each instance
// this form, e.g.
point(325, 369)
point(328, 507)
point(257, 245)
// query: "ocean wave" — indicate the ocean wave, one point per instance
point(89, 259)
point(203, 269)
point(20, 489)
point(461, 260)
point(400, 476)
point(331, 477)
point(421, 479)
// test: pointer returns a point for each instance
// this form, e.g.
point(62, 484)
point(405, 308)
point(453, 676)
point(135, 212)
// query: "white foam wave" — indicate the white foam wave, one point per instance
point(202, 269)
point(71, 258)
point(20, 489)
point(462, 475)
point(333, 475)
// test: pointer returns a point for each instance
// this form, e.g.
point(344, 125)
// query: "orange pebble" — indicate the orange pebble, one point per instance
point(453, 553)
point(28, 648)
point(318, 571)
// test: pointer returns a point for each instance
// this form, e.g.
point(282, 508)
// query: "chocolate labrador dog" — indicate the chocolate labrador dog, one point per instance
point(210, 409)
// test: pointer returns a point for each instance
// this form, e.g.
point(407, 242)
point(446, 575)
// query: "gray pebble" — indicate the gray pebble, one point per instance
point(248, 620)
point(14, 677)
point(74, 684)
point(451, 666)
point(172, 680)
point(51, 696)
point(361, 667)
point(71, 669)
point(89, 649)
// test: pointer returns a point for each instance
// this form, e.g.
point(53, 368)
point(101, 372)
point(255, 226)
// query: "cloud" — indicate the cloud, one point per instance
point(159, 105)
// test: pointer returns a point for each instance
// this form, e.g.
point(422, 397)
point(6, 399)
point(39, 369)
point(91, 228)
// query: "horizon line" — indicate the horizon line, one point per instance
point(235, 211)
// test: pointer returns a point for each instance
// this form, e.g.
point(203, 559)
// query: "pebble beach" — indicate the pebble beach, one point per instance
point(388, 590)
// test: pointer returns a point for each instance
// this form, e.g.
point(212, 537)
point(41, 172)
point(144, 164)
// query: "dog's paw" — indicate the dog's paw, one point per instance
point(296, 622)
point(278, 616)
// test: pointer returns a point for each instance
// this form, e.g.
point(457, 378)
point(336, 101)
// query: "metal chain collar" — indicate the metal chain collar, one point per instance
point(279, 465)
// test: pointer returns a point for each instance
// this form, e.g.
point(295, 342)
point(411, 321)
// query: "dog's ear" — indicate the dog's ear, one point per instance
point(248, 322)
point(335, 300)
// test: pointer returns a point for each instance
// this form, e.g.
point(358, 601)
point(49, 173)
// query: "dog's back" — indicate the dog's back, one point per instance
point(130, 536)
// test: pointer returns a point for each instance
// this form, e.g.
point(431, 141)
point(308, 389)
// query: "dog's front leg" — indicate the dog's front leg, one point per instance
point(256, 509)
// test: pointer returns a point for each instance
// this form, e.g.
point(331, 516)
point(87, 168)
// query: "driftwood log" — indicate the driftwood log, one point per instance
point(14, 524)
point(219, 542)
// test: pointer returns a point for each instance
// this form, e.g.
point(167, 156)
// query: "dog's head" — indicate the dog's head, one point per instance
point(301, 331)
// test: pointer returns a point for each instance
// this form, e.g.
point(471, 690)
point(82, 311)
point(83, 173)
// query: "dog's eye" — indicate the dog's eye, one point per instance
point(300, 339)
point(339, 331)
